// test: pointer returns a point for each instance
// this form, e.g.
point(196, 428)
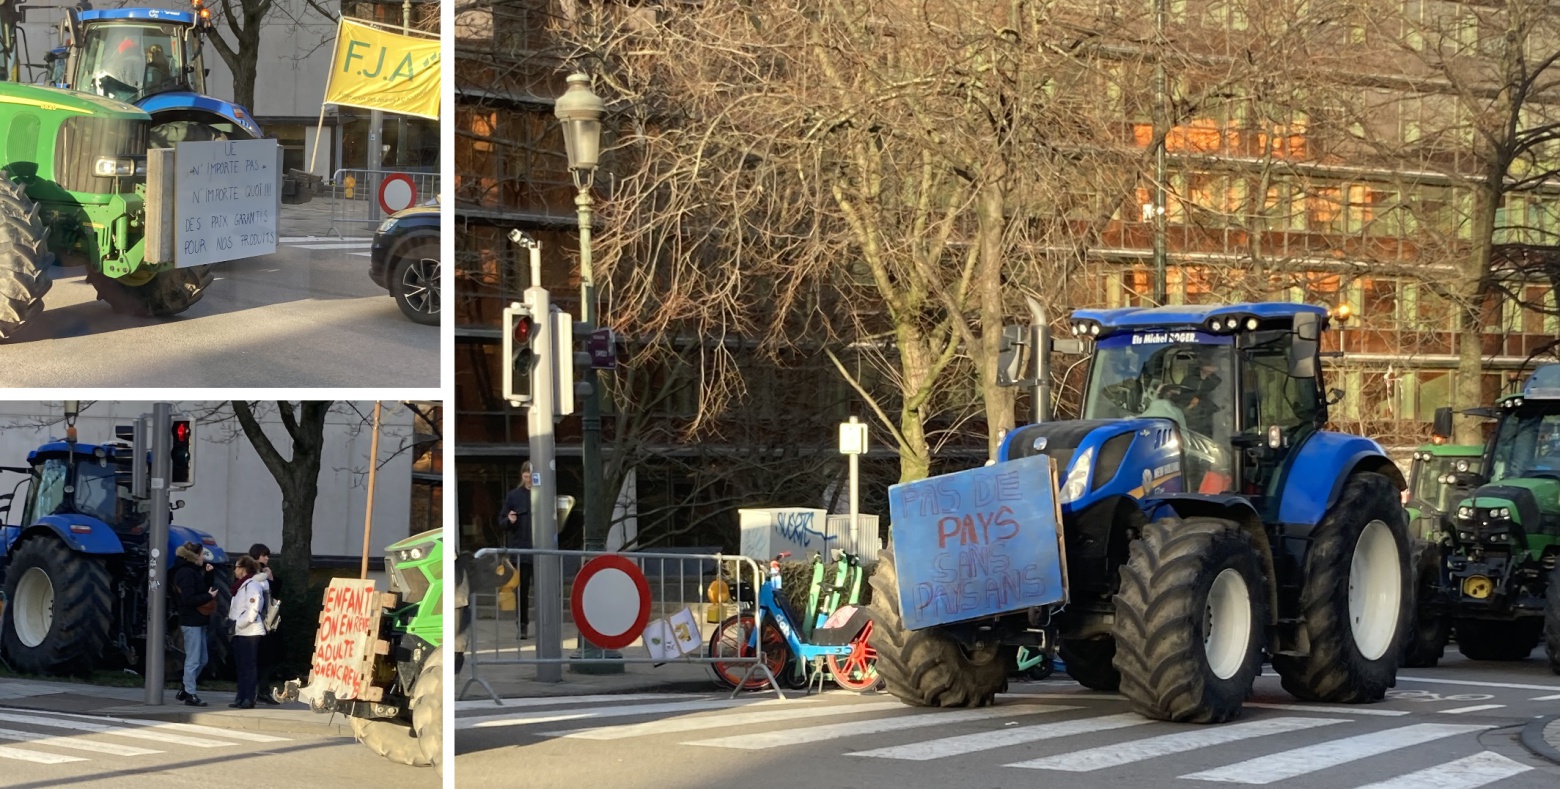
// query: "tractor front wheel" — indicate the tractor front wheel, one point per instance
point(1091, 663)
point(927, 668)
point(57, 617)
point(1429, 630)
point(24, 262)
point(1356, 599)
point(428, 708)
point(167, 293)
point(1189, 620)
point(1498, 640)
point(1552, 621)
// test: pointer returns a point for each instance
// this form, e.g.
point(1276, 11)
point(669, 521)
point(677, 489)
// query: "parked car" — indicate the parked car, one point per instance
point(404, 259)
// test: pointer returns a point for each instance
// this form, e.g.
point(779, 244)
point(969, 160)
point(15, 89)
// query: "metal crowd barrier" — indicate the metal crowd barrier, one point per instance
point(678, 584)
point(355, 194)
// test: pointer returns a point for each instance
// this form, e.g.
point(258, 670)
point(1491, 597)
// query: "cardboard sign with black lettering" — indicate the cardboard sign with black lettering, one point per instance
point(976, 543)
point(344, 644)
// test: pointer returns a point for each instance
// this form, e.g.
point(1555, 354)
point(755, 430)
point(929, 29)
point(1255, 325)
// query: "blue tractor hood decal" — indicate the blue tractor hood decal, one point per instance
point(185, 100)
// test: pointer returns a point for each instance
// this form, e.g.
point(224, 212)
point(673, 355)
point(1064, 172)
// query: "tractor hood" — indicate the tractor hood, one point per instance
point(185, 105)
point(1097, 459)
point(179, 535)
point(17, 96)
point(1538, 495)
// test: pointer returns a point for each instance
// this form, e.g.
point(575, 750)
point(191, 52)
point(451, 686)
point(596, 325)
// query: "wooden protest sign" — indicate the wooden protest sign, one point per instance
point(344, 645)
point(978, 542)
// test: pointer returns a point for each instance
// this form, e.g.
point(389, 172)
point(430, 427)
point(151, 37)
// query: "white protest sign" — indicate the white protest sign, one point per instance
point(344, 644)
point(226, 201)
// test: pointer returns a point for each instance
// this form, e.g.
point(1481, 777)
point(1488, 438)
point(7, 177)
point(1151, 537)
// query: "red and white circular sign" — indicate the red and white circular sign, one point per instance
point(611, 601)
point(397, 192)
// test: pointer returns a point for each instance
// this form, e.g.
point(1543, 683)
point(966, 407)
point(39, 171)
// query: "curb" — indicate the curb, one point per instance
point(1533, 738)
point(340, 726)
point(533, 689)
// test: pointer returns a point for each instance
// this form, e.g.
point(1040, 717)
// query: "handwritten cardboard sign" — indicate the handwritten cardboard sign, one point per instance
point(344, 644)
point(225, 200)
point(977, 542)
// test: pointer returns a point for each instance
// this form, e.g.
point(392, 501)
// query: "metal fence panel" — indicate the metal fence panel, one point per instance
point(355, 196)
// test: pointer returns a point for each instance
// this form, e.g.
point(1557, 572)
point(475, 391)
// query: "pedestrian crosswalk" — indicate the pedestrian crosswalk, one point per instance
point(61, 738)
point(1272, 744)
point(349, 245)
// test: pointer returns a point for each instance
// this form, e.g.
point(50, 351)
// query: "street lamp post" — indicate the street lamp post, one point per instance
point(580, 111)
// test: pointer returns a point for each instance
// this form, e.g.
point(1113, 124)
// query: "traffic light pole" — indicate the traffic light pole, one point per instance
point(544, 495)
point(157, 559)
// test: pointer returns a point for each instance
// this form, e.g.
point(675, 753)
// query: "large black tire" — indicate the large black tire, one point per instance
point(70, 635)
point(1349, 661)
point(391, 739)
point(24, 262)
point(414, 282)
point(925, 667)
point(1429, 629)
point(1552, 621)
point(1190, 619)
point(1500, 640)
point(167, 293)
point(427, 701)
point(1092, 663)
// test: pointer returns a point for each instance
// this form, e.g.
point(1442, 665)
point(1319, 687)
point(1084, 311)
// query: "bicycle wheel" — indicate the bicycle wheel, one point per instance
point(733, 638)
point(857, 670)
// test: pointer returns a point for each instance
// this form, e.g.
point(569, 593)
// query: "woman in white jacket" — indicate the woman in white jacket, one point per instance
point(247, 610)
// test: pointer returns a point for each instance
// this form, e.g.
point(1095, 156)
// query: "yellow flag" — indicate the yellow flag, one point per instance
point(381, 70)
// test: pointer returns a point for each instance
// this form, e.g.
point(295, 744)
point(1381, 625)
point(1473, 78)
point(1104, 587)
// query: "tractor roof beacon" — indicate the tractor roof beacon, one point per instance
point(1208, 522)
point(74, 564)
point(1500, 549)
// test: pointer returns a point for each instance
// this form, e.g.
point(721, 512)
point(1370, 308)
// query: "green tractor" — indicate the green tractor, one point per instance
point(400, 716)
point(1499, 587)
point(73, 174)
point(1429, 496)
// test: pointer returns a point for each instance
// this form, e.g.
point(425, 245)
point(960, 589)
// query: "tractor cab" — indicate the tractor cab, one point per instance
point(80, 479)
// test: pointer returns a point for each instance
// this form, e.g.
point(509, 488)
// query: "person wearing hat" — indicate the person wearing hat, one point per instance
point(195, 598)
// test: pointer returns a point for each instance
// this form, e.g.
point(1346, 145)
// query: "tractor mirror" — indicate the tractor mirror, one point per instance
point(1010, 357)
point(1442, 427)
point(1305, 344)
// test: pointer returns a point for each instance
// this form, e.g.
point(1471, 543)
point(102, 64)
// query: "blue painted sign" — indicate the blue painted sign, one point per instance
point(976, 543)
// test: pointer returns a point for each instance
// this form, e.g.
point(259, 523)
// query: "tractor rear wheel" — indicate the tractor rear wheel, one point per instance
point(1190, 618)
point(1356, 598)
point(1552, 621)
point(428, 708)
point(24, 261)
point(58, 611)
point(391, 739)
point(166, 293)
point(1502, 640)
point(927, 668)
point(1091, 663)
point(1429, 629)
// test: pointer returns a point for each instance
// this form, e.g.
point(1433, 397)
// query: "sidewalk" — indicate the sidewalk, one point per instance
point(1542, 736)
point(83, 699)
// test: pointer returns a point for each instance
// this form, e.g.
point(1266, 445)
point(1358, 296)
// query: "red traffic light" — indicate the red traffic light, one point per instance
point(523, 329)
point(181, 431)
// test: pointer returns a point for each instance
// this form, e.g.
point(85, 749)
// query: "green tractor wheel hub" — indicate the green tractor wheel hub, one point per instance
point(32, 612)
point(1375, 590)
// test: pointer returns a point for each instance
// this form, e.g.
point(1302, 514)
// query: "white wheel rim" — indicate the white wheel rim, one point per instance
point(1227, 624)
point(33, 609)
point(1375, 590)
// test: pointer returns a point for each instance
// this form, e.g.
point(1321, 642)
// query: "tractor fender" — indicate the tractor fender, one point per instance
point(1229, 507)
point(1317, 470)
point(184, 102)
point(81, 533)
point(179, 535)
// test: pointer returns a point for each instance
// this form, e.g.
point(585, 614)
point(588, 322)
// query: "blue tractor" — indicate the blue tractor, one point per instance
point(74, 564)
point(1201, 521)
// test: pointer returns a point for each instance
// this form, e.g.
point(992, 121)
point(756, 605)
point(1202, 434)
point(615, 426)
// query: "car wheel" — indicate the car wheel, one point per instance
point(414, 282)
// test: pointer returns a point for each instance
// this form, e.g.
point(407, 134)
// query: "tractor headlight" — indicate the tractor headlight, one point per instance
point(1462, 465)
point(1251, 324)
point(1078, 476)
point(413, 553)
point(1505, 512)
point(1465, 512)
point(113, 167)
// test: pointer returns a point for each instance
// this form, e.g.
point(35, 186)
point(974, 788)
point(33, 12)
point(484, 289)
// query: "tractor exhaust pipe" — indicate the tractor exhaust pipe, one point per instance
point(1040, 343)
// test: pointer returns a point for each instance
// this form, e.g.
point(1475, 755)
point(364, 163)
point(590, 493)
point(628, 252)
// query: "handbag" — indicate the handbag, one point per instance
point(207, 608)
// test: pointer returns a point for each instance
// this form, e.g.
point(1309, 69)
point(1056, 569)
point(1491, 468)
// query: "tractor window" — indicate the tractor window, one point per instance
point(97, 492)
point(1272, 396)
point(125, 62)
point(1528, 444)
point(50, 487)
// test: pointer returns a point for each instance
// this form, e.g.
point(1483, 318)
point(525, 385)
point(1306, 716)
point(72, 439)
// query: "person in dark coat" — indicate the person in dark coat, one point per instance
point(192, 581)
point(271, 643)
point(514, 522)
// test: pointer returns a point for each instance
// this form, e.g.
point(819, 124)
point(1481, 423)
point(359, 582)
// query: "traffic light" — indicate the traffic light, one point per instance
point(522, 341)
point(183, 452)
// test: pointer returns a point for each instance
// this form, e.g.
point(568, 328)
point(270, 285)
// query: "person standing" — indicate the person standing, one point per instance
point(195, 600)
point(514, 522)
point(271, 643)
point(247, 610)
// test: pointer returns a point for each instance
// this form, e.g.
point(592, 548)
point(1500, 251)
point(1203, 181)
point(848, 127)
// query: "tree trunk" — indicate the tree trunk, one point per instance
point(998, 400)
point(1473, 295)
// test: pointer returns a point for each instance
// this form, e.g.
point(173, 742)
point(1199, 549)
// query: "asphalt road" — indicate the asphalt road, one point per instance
point(1451, 727)
point(39, 750)
point(299, 318)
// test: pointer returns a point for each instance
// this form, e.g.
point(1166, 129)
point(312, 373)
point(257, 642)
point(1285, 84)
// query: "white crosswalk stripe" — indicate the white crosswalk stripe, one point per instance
point(1311, 758)
point(775, 739)
point(358, 245)
point(55, 741)
point(678, 725)
point(985, 741)
point(1466, 773)
point(523, 719)
point(37, 757)
point(39, 737)
point(1163, 745)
